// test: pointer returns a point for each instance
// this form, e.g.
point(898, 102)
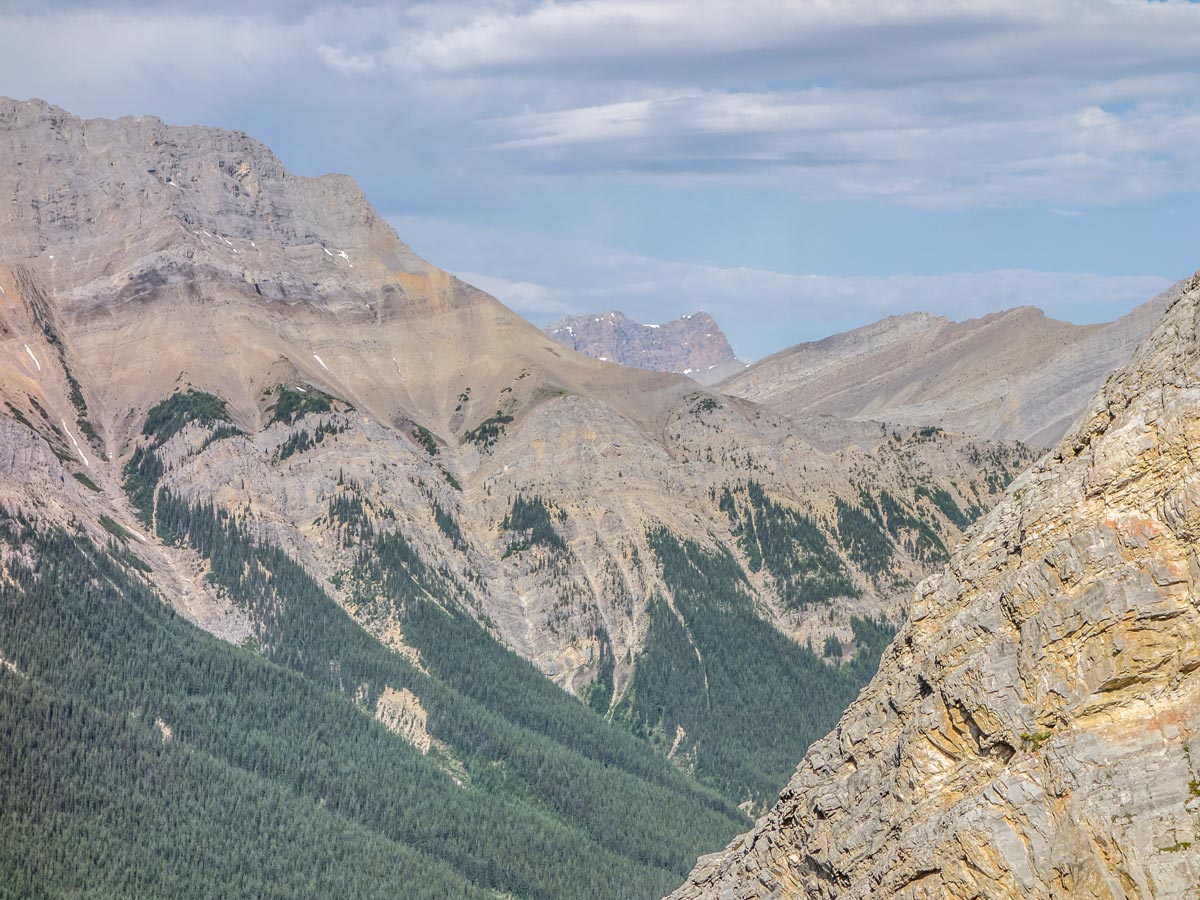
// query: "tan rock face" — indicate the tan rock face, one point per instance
point(401, 712)
point(1031, 731)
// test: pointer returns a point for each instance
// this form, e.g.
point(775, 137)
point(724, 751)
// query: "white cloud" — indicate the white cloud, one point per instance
point(530, 299)
point(345, 62)
point(932, 103)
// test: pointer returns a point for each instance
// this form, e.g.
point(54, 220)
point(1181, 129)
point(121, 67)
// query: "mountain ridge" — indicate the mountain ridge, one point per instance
point(1011, 374)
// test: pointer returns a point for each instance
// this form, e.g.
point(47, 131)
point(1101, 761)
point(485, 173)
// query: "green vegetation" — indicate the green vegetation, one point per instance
point(560, 804)
point(170, 416)
point(833, 647)
point(487, 432)
point(749, 699)
point(448, 526)
point(141, 477)
point(166, 419)
point(115, 528)
point(450, 479)
point(1033, 741)
point(530, 523)
point(789, 544)
point(292, 404)
point(946, 504)
point(87, 482)
point(425, 438)
point(301, 441)
point(863, 538)
point(250, 796)
point(919, 537)
point(597, 696)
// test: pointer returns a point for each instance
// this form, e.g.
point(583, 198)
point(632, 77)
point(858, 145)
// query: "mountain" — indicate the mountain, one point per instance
point(298, 524)
point(1029, 733)
point(692, 345)
point(1015, 374)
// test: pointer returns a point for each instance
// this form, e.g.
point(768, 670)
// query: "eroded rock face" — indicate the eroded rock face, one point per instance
point(1030, 733)
point(691, 345)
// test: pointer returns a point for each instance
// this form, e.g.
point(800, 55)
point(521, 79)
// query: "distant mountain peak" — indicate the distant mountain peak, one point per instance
point(693, 344)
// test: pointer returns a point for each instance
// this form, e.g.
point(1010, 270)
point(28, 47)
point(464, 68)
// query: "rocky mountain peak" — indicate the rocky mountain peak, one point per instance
point(690, 345)
point(195, 198)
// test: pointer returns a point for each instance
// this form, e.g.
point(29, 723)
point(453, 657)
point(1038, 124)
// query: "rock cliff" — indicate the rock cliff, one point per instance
point(1030, 733)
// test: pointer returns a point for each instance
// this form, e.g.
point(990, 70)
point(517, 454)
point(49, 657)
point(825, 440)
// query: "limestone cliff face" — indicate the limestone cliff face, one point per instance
point(692, 345)
point(1031, 731)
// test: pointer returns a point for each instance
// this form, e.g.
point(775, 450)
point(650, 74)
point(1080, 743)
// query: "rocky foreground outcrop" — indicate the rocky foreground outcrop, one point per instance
point(1030, 732)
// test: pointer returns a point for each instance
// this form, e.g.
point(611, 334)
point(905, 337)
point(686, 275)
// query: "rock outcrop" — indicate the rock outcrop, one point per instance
point(1030, 733)
point(401, 712)
point(691, 345)
point(1015, 374)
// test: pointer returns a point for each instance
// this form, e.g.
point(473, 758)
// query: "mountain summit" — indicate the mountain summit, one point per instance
point(692, 345)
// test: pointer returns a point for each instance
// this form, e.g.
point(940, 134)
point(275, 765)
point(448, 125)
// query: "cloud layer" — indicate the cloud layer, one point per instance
point(933, 104)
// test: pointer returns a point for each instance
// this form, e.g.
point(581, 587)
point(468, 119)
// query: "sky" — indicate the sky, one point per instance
point(794, 167)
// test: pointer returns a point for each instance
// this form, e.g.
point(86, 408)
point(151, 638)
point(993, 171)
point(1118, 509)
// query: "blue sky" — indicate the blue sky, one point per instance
point(795, 168)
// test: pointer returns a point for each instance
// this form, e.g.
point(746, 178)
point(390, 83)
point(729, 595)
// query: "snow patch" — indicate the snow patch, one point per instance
point(134, 533)
point(3, 293)
point(321, 361)
point(327, 253)
point(67, 431)
point(305, 390)
point(34, 358)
